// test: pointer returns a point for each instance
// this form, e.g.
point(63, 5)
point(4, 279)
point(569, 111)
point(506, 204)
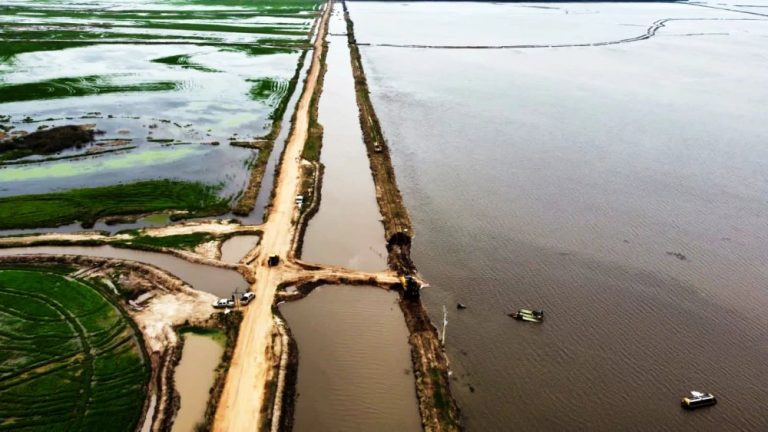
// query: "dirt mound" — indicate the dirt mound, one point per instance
point(49, 141)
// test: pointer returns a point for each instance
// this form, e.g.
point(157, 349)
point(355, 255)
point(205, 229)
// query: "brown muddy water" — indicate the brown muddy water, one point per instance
point(236, 248)
point(346, 230)
point(215, 280)
point(619, 188)
point(193, 378)
point(354, 361)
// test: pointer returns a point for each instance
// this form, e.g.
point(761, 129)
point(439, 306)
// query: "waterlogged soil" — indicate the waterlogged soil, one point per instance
point(165, 85)
point(354, 361)
point(193, 379)
point(619, 188)
point(217, 281)
point(347, 229)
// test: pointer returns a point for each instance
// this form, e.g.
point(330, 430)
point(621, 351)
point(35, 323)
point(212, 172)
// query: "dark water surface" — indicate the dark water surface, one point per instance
point(622, 189)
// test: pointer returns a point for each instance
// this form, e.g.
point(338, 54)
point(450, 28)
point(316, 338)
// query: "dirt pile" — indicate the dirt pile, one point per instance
point(49, 141)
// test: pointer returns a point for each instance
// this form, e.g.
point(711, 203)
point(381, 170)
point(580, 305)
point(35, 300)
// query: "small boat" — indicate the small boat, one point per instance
point(698, 400)
point(461, 306)
point(528, 315)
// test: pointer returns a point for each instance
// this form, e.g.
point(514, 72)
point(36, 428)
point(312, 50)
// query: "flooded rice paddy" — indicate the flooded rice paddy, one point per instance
point(619, 187)
point(167, 86)
point(354, 361)
point(346, 230)
point(218, 281)
point(193, 379)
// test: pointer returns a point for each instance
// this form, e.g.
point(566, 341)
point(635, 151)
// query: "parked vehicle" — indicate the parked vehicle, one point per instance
point(247, 298)
point(224, 303)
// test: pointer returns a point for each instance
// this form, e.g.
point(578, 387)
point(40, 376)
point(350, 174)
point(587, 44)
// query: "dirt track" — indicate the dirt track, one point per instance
point(241, 401)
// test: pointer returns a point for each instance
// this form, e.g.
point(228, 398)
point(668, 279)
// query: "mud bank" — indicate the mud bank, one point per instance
point(438, 408)
point(397, 222)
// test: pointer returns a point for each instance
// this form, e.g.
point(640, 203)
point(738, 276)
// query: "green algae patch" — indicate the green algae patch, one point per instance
point(71, 359)
point(89, 205)
point(63, 169)
point(75, 86)
point(181, 241)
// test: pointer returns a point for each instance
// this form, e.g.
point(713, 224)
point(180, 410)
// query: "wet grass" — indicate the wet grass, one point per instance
point(184, 61)
point(73, 87)
point(181, 241)
point(71, 360)
point(89, 205)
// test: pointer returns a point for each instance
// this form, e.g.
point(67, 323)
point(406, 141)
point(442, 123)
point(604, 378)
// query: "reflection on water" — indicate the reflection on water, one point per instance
point(354, 361)
point(619, 188)
point(218, 281)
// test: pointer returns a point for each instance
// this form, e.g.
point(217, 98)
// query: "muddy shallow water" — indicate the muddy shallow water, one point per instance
point(619, 188)
point(346, 230)
point(193, 378)
point(218, 281)
point(236, 248)
point(354, 361)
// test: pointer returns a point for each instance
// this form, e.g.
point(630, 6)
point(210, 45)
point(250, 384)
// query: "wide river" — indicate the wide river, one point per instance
point(621, 187)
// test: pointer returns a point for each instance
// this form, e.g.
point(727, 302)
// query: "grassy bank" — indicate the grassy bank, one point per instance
point(71, 360)
point(181, 241)
point(88, 205)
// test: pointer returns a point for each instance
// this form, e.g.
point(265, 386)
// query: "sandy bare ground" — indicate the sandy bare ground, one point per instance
point(241, 401)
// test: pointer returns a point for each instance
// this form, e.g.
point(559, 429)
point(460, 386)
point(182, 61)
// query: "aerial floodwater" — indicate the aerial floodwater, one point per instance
point(347, 229)
point(603, 162)
point(214, 280)
point(354, 361)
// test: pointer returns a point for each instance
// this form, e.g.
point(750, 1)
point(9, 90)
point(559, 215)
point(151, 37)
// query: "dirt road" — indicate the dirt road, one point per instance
point(241, 401)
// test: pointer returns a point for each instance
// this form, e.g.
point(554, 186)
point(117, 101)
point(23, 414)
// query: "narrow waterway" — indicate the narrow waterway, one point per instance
point(346, 230)
point(354, 361)
point(218, 281)
point(236, 248)
point(193, 378)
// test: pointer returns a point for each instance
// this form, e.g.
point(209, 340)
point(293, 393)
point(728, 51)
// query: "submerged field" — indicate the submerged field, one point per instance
point(621, 188)
point(167, 86)
point(70, 359)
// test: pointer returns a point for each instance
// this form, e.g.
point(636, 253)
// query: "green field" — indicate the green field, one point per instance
point(180, 241)
point(70, 360)
point(88, 205)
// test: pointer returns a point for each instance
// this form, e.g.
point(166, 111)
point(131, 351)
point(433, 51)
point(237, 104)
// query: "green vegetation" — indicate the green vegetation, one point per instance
point(62, 269)
point(314, 141)
point(181, 241)
point(88, 205)
point(183, 60)
point(75, 86)
point(212, 333)
point(70, 359)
